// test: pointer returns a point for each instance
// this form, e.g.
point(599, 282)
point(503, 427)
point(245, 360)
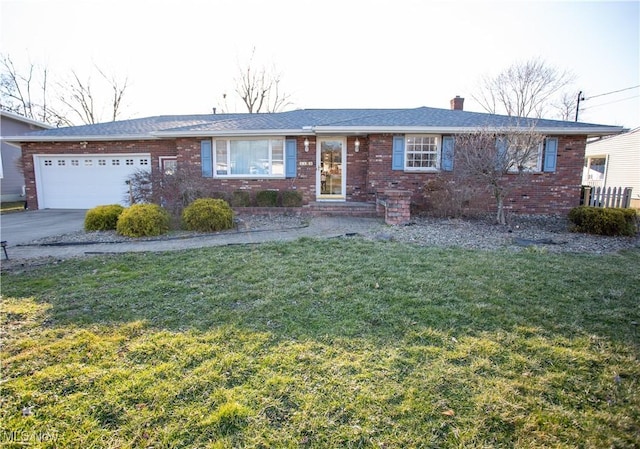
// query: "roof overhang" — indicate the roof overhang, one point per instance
point(233, 133)
point(590, 131)
point(27, 139)
point(27, 120)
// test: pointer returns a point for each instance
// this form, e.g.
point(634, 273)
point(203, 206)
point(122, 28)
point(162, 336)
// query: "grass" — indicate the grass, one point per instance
point(332, 343)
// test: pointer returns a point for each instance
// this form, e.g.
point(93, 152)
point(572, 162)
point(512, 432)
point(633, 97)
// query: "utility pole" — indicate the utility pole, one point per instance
point(580, 98)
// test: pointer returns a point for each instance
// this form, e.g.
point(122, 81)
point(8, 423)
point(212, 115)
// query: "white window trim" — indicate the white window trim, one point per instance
point(228, 140)
point(437, 167)
point(538, 167)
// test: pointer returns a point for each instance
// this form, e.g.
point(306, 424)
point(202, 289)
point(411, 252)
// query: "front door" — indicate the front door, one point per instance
point(331, 182)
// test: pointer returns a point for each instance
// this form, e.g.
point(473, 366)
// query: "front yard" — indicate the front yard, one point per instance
point(324, 343)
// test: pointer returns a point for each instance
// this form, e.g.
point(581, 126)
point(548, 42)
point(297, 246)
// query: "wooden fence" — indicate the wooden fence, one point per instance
point(606, 196)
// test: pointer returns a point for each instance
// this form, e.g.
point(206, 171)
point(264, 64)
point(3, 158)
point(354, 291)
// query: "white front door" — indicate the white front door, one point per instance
point(331, 180)
point(84, 181)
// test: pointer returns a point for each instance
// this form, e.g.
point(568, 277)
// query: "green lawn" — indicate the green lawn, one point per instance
point(326, 344)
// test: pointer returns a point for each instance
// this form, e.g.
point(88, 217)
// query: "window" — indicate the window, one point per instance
point(61, 162)
point(48, 162)
point(74, 162)
point(115, 161)
point(102, 162)
point(88, 162)
point(249, 158)
point(168, 165)
point(144, 161)
point(526, 159)
point(422, 153)
point(128, 161)
point(595, 168)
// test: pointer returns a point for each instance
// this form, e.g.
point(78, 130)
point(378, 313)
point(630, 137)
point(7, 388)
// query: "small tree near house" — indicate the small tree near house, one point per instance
point(498, 160)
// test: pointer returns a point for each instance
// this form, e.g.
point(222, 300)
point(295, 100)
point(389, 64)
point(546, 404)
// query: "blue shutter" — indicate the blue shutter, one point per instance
point(447, 153)
point(397, 161)
point(550, 154)
point(290, 158)
point(206, 158)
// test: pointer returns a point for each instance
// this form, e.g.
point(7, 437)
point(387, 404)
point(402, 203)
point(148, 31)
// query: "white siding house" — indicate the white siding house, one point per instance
point(614, 162)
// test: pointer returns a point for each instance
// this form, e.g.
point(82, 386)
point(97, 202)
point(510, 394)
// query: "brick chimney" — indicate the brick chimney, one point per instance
point(456, 103)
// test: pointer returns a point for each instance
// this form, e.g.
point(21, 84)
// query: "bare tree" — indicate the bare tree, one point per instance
point(524, 89)
point(16, 89)
point(498, 160)
point(32, 93)
point(566, 105)
point(259, 88)
point(80, 97)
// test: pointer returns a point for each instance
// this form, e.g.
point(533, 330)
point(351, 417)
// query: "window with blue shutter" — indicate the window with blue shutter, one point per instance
point(206, 158)
point(550, 154)
point(397, 159)
point(291, 157)
point(447, 153)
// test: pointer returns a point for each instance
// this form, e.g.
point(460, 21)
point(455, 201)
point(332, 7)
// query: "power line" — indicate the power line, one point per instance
point(611, 102)
point(612, 92)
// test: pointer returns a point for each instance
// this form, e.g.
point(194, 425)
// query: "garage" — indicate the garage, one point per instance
point(87, 180)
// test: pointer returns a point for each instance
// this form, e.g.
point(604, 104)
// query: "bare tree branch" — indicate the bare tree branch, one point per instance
point(259, 88)
point(498, 160)
point(523, 89)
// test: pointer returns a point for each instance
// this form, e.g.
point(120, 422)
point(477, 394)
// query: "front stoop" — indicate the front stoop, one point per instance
point(337, 209)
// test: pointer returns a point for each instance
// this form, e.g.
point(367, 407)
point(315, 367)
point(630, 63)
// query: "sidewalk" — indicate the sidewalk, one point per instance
point(319, 227)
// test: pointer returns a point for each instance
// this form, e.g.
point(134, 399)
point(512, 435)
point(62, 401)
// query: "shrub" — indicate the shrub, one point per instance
point(141, 220)
point(291, 198)
point(241, 198)
point(102, 218)
point(267, 198)
point(604, 221)
point(208, 215)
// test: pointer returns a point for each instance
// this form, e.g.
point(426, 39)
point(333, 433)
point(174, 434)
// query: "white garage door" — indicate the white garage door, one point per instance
point(85, 181)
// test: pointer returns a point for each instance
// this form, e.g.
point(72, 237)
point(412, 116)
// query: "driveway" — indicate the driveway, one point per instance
point(24, 227)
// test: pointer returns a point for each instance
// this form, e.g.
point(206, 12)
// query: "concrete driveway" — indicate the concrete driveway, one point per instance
point(24, 227)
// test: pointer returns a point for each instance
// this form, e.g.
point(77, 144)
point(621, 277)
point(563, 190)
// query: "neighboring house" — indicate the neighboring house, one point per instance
point(615, 162)
point(328, 155)
point(11, 178)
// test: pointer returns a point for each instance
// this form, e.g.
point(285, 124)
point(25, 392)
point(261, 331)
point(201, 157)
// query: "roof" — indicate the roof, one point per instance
point(22, 119)
point(310, 122)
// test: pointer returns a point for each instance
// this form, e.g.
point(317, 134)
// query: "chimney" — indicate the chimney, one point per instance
point(456, 103)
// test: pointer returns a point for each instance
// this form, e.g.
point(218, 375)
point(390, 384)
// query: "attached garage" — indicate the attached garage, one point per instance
point(86, 180)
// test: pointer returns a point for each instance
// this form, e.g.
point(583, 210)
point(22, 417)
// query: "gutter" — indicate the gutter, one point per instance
point(593, 131)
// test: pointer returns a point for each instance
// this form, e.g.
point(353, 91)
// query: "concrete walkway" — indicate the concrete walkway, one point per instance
point(319, 227)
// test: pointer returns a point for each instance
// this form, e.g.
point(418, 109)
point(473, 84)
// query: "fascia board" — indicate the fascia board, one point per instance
point(234, 133)
point(591, 131)
point(93, 138)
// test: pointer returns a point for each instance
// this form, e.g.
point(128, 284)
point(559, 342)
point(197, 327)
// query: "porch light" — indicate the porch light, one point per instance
point(306, 145)
point(357, 144)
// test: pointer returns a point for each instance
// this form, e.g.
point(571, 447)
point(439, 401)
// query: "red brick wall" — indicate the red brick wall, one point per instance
point(368, 171)
point(543, 193)
point(156, 148)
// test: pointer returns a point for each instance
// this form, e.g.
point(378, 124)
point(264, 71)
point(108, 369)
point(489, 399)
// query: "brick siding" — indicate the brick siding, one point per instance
point(368, 171)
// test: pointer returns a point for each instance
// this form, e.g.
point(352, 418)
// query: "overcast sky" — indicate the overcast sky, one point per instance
point(181, 55)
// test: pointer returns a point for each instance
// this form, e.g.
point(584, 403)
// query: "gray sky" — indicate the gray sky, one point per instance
point(181, 55)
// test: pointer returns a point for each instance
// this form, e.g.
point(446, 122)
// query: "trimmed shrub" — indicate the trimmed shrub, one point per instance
point(102, 218)
point(291, 198)
point(141, 220)
point(267, 198)
point(208, 215)
point(241, 198)
point(604, 221)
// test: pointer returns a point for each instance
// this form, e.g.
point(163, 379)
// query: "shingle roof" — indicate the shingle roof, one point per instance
point(309, 121)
